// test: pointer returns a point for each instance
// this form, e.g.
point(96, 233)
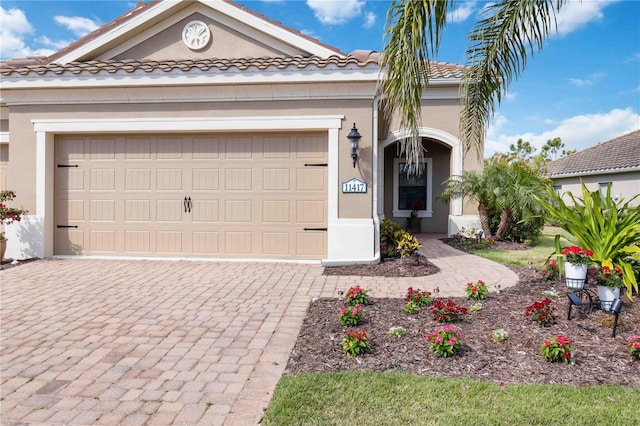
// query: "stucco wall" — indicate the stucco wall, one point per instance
point(623, 185)
point(224, 43)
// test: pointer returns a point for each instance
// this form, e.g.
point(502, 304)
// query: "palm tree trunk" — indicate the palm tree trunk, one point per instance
point(505, 221)
point(483, 211)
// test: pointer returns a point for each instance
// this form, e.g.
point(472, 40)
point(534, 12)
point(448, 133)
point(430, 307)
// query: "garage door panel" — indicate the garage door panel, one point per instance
point(251, 196)
point(169, 210)
point(137, 180)
point(239, 179)
point(169, 242)
point(276, 179)
point(102, 180)
point(276, 243)
point(238, 148)
point(138, 242)
point(206, 211)
point(206, 148)
point(311, 243)
point(103, 241)
point(103, 210)
point(137, 149)
point(207, 243)
point(169, 180)
point(276, 211)
point(137, 211)
point(102, 149)
point(311, 179)
point(238, 242)
point(206, 179)
point(70, 241)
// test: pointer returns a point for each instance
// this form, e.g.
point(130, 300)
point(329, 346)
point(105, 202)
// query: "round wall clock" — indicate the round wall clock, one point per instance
point(196, 35)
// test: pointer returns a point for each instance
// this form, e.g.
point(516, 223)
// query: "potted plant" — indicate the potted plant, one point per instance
point(8, 215)
point(609, 281)
point(576, 266)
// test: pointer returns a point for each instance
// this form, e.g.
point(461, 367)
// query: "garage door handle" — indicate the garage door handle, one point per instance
point(315, 229)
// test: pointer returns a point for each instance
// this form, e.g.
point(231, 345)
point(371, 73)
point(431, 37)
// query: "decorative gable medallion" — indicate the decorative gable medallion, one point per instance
point(196, 35)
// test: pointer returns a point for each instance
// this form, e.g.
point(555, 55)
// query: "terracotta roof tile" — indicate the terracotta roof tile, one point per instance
point(438, 70)
point(617, 154)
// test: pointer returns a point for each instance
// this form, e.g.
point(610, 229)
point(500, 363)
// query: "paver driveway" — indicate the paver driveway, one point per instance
point(167, 342)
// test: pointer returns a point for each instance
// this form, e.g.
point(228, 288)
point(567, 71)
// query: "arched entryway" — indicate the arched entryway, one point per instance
point(401, 195)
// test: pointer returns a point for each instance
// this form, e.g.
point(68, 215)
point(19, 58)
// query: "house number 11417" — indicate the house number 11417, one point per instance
point(354, 186)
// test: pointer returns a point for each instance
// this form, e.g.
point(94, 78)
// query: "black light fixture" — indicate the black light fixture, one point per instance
point(354, 137)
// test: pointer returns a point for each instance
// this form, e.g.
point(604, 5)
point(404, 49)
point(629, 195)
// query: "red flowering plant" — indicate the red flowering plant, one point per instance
point(557, 349)
point(356, 296)
point(610, 277)
point(477, 291)
point(355, 342)
point(8, 215)
point(420, 297)
point(541, 312)
point(634, 346)
point(351, 315)
point(577, 255)
point(444, 341)
point(550, 270)
point(447, 311)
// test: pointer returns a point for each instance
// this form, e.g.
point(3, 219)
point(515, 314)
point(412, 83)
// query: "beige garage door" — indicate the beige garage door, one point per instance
point(256, 196)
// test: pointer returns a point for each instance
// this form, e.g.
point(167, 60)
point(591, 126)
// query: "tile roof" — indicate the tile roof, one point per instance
point(619, 154)
point(438, 70)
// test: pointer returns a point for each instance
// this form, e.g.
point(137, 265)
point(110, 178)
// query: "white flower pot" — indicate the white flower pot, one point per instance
point(607, 295)
point(575, 275)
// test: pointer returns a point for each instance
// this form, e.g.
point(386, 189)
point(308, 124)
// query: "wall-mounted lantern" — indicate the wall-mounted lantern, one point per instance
point(354, 137)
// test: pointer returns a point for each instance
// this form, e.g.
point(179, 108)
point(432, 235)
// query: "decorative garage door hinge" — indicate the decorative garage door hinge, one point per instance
point(316, 164)
point(67, 165)
point(187, 204)
point(66, 226)
point(315, 229)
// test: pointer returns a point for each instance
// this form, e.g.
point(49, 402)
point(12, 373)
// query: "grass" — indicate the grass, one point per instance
point(367, 398)
point(537, 255)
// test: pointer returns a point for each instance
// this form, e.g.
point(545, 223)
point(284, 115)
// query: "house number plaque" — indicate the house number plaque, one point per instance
point(354, 186)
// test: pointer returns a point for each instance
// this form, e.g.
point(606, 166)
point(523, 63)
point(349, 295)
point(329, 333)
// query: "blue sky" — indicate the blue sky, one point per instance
point(583, 87)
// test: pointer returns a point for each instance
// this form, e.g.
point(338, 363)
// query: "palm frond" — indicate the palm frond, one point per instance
point(412, 36)
point(498, 53)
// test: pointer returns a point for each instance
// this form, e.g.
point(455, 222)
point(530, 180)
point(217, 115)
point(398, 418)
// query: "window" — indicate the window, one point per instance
point(411, 192)
point(558, 190)
point(604, 186)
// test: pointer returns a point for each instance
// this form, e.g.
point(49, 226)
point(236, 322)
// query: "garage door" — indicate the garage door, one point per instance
point(256, 196)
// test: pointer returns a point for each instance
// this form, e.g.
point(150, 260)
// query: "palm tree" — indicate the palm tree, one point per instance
point(499, 47)
point(515, 195)
point(478, 186)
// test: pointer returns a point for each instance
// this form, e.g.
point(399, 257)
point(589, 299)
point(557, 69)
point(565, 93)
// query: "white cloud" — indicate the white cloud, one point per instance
point(55, 44)
point(14, 27)
point(461, 13)
point(576, 15)
point(369, 19)
point(578, 132)
point(77, 24)
point(510, 95)
point(333, 12)
point(589, 81)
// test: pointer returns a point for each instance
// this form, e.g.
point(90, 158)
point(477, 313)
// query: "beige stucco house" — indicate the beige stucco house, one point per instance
point(614, 163)
point(200, 129)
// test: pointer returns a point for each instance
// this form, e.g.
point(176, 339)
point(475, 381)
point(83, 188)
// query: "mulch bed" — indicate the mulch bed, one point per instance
point(599, 358)
point(410, 267)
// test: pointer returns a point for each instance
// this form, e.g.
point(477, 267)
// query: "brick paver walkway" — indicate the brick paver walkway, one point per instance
point(133, 342)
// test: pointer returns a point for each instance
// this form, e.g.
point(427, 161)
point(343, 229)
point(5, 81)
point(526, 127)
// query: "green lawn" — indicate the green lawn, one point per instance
point(366, 398)
point(537, 255)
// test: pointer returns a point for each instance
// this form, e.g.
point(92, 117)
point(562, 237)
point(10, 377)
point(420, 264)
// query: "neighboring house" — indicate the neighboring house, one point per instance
point(615, 162)
point(203, 129)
